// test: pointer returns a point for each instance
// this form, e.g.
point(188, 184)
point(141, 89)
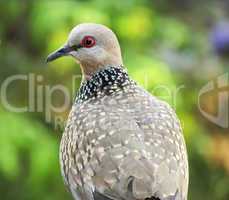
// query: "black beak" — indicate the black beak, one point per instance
point(63, 51)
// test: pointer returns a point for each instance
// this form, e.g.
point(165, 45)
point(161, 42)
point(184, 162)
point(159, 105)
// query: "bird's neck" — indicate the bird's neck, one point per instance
point(104, 82)
point(91, 67)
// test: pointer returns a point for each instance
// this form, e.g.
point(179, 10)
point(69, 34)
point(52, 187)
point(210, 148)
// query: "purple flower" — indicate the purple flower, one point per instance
point(220, 38)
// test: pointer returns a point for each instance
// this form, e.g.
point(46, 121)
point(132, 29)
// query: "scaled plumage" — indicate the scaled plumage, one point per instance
point(122, 143)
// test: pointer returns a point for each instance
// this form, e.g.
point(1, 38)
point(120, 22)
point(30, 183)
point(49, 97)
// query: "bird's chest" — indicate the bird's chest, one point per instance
point(88, 122)
point(87, 126)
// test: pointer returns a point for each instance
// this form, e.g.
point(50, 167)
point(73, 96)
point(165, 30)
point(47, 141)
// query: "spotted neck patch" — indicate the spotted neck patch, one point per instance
point(104, 82)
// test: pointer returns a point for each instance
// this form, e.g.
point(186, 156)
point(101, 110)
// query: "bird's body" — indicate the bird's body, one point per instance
point(121, 143)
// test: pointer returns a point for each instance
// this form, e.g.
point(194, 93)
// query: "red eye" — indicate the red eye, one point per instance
point(88, 42)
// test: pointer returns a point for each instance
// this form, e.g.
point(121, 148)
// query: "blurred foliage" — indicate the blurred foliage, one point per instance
point(166, 49)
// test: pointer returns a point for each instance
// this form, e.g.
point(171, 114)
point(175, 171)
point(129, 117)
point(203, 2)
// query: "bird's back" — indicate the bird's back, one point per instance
point(123, 144)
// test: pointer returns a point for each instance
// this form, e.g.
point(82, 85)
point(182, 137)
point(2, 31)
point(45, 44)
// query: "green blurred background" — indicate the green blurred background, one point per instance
point(166, 45)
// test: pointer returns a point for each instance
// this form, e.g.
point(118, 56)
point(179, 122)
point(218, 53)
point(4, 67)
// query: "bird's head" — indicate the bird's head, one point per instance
point(94, 46)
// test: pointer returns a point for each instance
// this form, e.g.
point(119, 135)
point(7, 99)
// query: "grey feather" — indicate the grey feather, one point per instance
point(121, 143)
